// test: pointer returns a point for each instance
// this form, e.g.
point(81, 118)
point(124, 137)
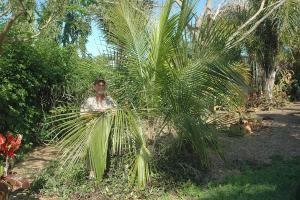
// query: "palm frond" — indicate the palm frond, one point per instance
point(98, 144)
point(87, 136)
point(287, 20)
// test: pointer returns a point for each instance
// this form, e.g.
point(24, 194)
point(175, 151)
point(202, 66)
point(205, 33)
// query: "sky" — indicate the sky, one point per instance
point(96, 44)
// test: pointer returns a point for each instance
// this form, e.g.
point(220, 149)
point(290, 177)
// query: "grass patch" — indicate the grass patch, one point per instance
point(275, 182)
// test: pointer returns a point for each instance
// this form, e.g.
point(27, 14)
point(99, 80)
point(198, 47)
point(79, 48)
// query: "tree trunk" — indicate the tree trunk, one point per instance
point(269, 83)
point(270, 51)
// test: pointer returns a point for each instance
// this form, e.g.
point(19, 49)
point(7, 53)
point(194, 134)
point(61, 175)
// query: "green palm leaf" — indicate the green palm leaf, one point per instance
point(87, 136)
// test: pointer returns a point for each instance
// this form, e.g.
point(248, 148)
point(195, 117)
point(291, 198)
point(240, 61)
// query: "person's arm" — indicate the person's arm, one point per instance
point(111, 102)
point(85, 107)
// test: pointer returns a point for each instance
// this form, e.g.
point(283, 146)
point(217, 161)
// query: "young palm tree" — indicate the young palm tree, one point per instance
point(166, 71)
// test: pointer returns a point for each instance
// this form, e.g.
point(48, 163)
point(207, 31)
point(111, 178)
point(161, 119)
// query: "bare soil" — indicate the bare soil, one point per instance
point(32, 165)
point(278, 136)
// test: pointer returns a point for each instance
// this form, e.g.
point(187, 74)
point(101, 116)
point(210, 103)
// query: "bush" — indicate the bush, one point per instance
point(36, 76)
point(294, 90)
point(53, 181)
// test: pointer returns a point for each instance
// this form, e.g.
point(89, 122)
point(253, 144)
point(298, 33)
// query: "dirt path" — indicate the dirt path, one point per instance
point(279, 136)
point(35, 162)
point(31, 166)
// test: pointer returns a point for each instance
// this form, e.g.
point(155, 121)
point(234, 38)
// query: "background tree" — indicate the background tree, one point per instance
point(10, 12)
point(274, 25)
point(66, 22)
point(28, 18)
point(76, 24)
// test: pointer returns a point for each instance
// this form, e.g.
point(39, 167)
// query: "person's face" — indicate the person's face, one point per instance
point(100, 88)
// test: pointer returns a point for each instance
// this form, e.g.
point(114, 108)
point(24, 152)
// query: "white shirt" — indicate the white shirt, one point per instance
point(91, 104)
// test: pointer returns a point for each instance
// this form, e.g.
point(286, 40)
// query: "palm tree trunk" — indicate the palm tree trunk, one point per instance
point(269, 83)
point(270, 51)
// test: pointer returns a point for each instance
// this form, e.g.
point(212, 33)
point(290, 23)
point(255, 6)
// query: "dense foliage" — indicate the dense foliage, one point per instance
point(174, 76)
point(167, 71)
point(35, 77)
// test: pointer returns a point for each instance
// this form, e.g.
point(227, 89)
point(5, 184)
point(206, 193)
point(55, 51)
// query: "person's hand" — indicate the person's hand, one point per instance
point(101, 110)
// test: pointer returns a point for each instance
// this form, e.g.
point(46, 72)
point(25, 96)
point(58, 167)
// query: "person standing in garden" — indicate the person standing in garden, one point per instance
point(100, 102)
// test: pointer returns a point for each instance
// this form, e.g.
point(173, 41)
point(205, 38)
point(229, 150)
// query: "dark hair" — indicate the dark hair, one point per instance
point(97, 81)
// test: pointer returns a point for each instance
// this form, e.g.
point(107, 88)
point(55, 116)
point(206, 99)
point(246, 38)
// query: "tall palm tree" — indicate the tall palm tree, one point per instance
point(170, 73)
point(275, 26)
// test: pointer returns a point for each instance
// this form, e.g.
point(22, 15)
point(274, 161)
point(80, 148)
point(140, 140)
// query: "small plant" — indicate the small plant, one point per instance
point(237, 130)
point(8, 146)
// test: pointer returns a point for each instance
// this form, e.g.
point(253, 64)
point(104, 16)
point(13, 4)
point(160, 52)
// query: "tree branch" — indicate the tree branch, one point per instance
point(206, 11)
point(22, 5)
point(10, 22)
point(199, 19)
point(218, 9)
point(280, 3)
point(6, 11)
point(8, 25)
point(262, 5)
point(43, 27)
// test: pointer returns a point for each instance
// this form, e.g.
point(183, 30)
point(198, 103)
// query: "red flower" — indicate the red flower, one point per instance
point(11, 145)
point(11, 153)
point(2, 139)
point(15, 144)
point(9, 137)
point(4, 148)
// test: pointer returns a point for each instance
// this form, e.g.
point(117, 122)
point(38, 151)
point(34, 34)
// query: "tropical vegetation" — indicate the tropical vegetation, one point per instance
point(168, 67)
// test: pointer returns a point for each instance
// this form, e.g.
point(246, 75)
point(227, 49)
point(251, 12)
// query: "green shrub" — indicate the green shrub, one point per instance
point(294, 90)
point(36, 76)
point(53, 181)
